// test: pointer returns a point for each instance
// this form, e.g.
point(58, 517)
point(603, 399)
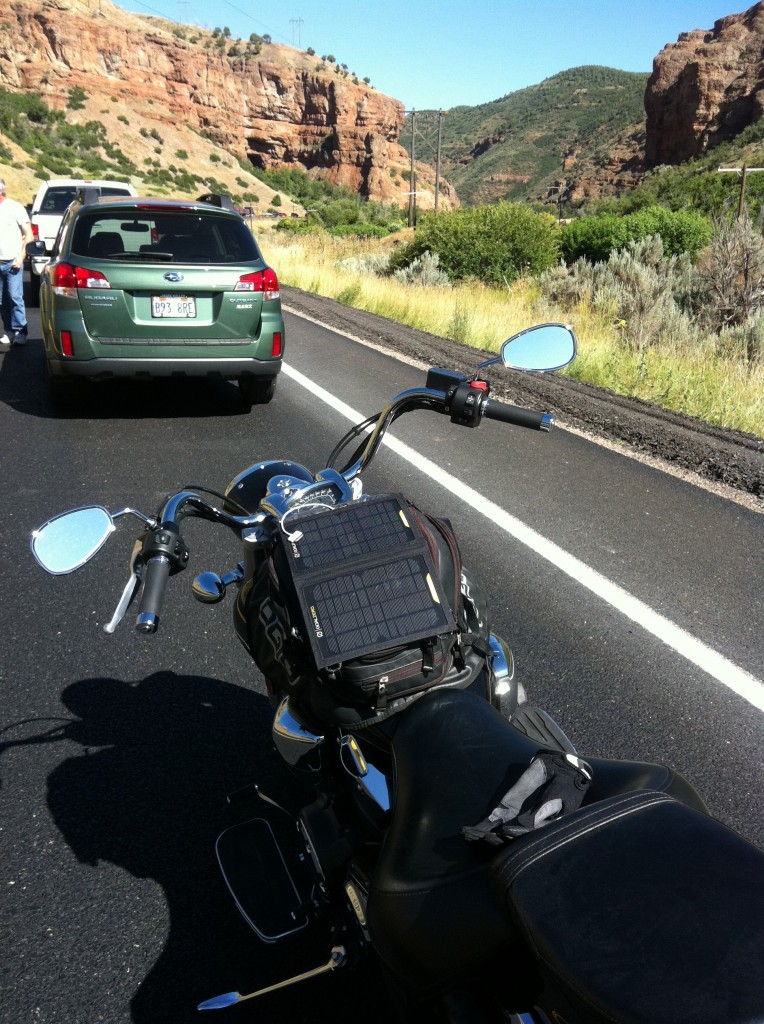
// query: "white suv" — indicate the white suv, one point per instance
point(50, 203)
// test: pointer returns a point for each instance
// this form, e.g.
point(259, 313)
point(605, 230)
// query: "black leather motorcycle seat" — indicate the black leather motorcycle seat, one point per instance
point(643, 911)
point(433, 907)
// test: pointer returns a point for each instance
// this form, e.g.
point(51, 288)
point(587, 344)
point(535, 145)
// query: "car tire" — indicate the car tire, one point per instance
point(256, 390)
point(34, 289)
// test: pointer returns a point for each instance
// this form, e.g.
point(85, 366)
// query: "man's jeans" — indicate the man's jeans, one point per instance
point(12, 297)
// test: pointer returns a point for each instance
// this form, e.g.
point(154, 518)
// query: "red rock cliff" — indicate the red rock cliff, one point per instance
point(278, 108)
point(705, 88)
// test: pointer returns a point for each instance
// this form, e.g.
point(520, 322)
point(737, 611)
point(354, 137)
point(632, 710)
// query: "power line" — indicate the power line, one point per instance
point(249, 17)
point(153, 10)
point(245, 14)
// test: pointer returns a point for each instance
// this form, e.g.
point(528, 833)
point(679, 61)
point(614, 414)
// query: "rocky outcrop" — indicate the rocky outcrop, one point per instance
point(613, 172)
point(279, 108)
point(482, 147)
point(705, 88)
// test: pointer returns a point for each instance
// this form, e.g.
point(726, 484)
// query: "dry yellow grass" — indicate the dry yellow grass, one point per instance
point(718, 390)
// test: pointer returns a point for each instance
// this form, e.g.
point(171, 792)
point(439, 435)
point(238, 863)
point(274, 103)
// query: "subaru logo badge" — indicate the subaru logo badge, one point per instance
point(173, 276)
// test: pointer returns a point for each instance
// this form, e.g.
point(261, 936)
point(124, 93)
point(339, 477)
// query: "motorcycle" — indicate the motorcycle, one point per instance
point(453, 835)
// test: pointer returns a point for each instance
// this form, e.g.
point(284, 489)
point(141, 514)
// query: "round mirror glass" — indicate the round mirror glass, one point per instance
point(540, 349)
point(67, 541)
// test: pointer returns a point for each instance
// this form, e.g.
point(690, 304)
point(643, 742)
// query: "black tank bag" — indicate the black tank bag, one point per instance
point(368, 598)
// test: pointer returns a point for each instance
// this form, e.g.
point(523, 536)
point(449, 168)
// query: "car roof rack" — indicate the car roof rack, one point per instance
point(88, 194)
point(217, 199)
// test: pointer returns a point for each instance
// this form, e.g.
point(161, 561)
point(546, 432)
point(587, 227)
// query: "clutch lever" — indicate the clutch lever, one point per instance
point(131, 588)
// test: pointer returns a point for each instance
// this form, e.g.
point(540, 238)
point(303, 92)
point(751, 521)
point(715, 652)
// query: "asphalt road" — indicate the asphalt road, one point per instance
point(117, 751)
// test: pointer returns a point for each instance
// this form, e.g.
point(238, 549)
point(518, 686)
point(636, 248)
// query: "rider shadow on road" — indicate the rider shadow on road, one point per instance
point(148, 795)
point(23, 387)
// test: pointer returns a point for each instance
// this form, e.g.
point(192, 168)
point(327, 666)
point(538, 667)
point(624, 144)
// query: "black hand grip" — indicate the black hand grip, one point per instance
point(155, 577)
point(515, 414)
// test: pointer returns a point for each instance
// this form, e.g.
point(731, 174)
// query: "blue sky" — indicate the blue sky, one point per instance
point(443, 54)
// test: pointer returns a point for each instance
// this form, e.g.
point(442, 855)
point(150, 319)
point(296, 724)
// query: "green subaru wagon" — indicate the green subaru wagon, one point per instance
point(155, 287)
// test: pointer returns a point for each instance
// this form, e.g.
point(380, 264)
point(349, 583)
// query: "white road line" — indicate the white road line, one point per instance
point(688, 646)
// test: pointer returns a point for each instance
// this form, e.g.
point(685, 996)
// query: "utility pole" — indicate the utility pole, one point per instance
point(184, 5)
point(743, 171)
point(297, 22)
point(412, 182)
point(429, 131)
point(437, 160)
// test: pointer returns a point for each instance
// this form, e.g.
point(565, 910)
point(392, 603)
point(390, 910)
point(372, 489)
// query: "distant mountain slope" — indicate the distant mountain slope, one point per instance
point(515, 147)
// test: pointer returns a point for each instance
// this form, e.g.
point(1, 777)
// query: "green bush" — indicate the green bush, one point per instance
point(359, 230)
point(495, 244)
point(298, 227)
point(331, 204)
point(54, 146)
point(77, 97)
point(595, 238)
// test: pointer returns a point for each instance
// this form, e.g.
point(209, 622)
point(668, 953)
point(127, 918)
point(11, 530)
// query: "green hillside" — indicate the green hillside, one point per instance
point(698, 185)
point(513, 148)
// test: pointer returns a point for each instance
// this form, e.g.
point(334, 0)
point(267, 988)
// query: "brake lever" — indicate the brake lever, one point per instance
point(131, 589)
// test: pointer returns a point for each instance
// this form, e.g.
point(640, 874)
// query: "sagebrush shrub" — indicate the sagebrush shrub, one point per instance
point(374, 263)
point(424, 271)
point(646, 293)
point(731, 274)
point(744, 342)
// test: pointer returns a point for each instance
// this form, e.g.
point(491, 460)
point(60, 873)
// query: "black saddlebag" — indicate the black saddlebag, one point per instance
point(641, 910)
point(356, 610)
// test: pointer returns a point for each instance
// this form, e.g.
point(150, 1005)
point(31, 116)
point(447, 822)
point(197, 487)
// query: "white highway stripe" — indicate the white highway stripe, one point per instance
point(700, 654)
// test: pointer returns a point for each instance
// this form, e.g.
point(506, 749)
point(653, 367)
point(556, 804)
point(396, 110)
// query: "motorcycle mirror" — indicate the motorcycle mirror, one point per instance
point(67, 541)
point(540, 349)
point(208, 588)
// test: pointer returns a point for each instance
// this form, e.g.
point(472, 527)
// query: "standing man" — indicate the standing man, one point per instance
point(15, 232)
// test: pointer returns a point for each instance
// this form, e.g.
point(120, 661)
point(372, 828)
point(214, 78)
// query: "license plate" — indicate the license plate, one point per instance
point(176, 306)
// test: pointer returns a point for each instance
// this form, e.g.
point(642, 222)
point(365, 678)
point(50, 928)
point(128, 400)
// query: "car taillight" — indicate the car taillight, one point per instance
point(36, 232)
point(276, 344)
point(264, 281)
point(65, 278)
point(66, 343)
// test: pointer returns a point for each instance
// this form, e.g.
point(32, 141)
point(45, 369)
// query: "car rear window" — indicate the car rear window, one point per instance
point(57, 198)
point(148, 236)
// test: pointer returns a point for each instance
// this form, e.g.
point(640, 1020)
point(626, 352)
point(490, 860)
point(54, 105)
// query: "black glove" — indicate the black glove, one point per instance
point(552, 785)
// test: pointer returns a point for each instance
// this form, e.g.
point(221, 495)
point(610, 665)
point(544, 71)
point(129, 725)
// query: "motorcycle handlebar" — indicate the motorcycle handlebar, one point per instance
point(157, 572)
point(515, 414)
point(165, 539)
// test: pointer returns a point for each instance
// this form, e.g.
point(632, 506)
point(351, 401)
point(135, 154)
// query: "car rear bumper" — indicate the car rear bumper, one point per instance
point(104, 369)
